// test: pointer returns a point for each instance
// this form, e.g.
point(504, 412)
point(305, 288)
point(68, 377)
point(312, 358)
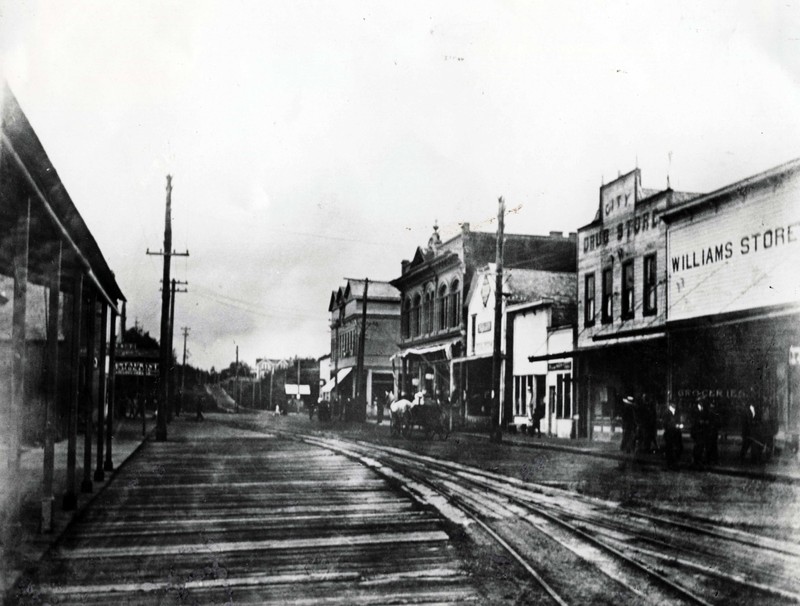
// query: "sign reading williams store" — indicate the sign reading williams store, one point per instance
point(737, 255)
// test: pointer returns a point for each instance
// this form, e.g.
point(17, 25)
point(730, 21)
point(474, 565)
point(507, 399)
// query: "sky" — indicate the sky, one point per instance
point(310, 142)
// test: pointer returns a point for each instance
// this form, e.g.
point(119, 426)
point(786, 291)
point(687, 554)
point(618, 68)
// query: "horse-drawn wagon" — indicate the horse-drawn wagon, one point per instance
point(420, 416)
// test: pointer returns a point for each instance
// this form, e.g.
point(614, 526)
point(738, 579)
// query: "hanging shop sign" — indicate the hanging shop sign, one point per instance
point(554, 366)
point(484, 327)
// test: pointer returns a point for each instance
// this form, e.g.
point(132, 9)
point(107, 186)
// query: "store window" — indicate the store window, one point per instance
point(650, 285)
point(589, 298)
point(608, 296)
point(628, 302)
point(524, 395)
point(563, 408)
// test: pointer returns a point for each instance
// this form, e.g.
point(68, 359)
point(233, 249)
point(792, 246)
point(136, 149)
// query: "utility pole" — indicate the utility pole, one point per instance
point(298, 382)
point(335, 391)
point(185, 332)
point(171, 384)
point(496, 435)
point(361, 396)
point(238, 391)
point(271, 375)
point(167, 253)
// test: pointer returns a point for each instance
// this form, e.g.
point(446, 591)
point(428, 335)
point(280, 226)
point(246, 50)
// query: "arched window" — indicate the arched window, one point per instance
point(415, 316)
point(428, 312)
point(442, 319)
point(455, 304)
point(405, 318)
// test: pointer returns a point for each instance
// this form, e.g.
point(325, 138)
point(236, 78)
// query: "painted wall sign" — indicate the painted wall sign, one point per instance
point(743, 255)
point(618, 198)
point(712, 392)
point(136, 369)
point(484, 327)
point(624, 230)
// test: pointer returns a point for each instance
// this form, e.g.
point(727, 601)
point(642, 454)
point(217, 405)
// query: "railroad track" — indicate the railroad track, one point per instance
point(597, 551)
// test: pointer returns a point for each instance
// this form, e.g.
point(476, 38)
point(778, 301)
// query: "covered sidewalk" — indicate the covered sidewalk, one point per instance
point(57, 333)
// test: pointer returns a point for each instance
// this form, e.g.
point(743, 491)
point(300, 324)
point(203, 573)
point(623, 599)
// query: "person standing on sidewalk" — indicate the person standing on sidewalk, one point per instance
point(673, 440)
point(536, 419)
point(699, 433)
point(712, 432)
point(628, 424)
point(751, 419)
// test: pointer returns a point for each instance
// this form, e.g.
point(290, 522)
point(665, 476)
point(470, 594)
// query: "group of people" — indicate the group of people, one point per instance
point(640, 430)
point(640, 420)
point(639, 424)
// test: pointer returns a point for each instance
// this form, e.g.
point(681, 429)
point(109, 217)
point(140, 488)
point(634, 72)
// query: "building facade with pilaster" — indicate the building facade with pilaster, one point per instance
point(435, 286)
point(345, 311)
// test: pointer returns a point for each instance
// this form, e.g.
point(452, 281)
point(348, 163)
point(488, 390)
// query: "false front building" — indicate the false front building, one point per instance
point(435, 287)
point(622, 270)
point(537, 319)
point(734, 299)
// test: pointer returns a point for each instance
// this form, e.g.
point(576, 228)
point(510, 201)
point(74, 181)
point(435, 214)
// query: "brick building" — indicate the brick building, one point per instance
point(380, 342)
point(434, 287)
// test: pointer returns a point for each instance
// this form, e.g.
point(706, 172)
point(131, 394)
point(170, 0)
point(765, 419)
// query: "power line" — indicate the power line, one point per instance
point(255, 312)
point(216, 293)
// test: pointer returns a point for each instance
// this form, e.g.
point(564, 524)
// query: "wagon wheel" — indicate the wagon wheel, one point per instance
point(444, 427)
point(430, 431)
point(406, 426)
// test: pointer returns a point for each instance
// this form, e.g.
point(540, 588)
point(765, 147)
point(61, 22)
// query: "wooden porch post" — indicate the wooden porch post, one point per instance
point(51, 389)
point(70, 497)
point(112, 356)
point(99, 475)
point(17, 402)
point(91, 318)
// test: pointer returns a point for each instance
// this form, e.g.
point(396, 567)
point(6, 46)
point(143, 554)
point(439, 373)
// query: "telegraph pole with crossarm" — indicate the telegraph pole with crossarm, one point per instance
point(171, 407)
point(185, 332)
point(163, 366)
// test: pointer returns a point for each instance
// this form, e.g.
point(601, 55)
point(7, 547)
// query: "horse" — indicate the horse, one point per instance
point(398, 409)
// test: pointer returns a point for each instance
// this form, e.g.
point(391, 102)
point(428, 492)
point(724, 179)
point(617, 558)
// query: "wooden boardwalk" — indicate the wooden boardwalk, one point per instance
point(223, 516)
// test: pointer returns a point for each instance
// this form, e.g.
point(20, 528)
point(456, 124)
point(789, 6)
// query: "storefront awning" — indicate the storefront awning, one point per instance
point(553, 356)
point(650, 339)
point(486, 356)
point(444, 348)
point(328, 387)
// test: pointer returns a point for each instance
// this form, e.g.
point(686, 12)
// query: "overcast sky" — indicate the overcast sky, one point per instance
point(313, 141)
